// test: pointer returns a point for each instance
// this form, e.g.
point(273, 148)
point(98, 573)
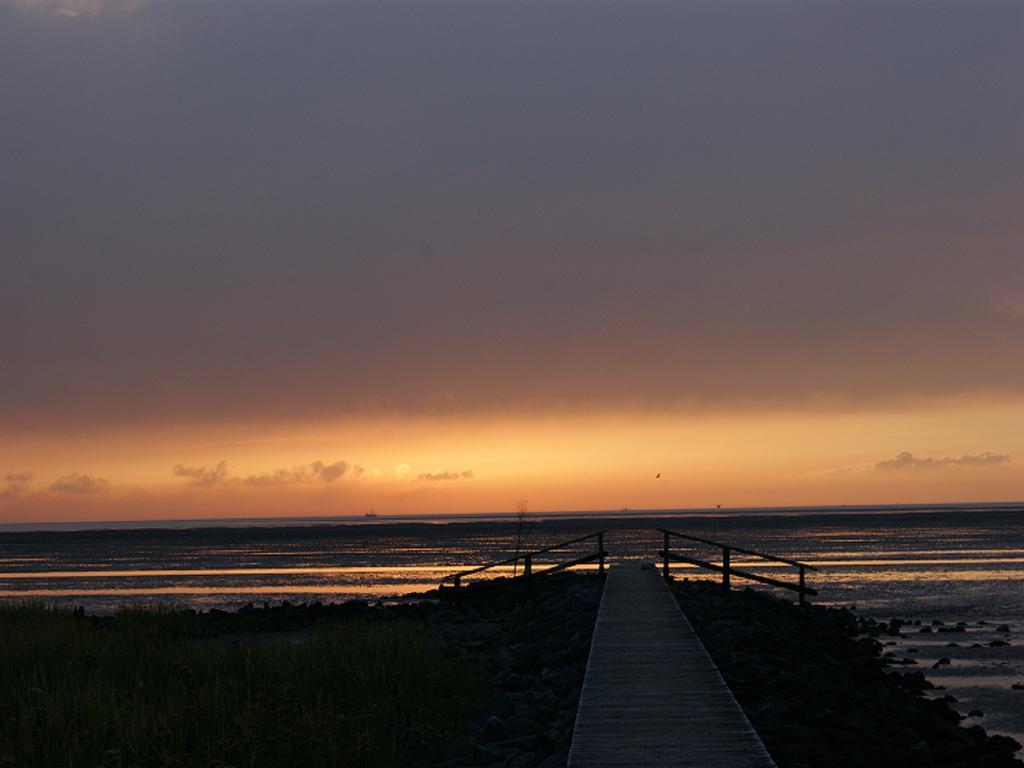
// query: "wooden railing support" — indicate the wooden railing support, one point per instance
point(725, 569)
point(664, 568)
point(455, 579)
point(729, 572)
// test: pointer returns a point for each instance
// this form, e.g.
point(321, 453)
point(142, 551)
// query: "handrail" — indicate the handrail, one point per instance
point(527, 558)
point(739, 549)
point(728, 571)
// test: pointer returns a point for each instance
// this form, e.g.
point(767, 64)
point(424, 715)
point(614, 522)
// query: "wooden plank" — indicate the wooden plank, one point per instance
point(652, 696)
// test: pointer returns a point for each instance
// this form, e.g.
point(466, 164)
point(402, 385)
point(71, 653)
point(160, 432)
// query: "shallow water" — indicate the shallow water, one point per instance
point(948, 565)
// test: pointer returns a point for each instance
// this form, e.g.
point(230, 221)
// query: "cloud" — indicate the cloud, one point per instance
point(403, 469)
point(983, 459)
point(447, 475)
point(331, 472)
point(79, 483)
point(907, 460)
point(75, 8)
point(204, 476)
point(279, 477)
point(869, 296)
point(1012, 308)
point(14, 484)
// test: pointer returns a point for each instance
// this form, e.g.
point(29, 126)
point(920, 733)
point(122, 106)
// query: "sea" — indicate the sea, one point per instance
point(953, 573)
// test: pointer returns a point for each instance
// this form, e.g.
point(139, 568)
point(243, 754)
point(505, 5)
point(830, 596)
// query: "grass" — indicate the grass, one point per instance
point(153, 688)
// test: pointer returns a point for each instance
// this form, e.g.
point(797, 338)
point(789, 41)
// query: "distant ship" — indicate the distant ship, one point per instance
point(371, 513)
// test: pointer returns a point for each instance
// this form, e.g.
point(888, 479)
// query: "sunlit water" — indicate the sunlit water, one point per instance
point(948, 565)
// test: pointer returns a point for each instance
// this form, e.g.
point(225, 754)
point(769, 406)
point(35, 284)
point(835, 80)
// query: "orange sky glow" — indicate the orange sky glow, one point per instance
point(957, 451)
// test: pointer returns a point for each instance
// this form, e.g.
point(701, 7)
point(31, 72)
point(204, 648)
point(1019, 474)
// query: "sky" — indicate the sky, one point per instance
point(317, 257)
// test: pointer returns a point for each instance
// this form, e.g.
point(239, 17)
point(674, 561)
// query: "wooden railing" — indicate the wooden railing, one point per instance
point(599, 555)
point(726, 568)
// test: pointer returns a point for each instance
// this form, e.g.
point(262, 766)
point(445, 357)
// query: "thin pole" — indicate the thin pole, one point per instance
point(600, 553)
point(725, 568)
point(665, 555)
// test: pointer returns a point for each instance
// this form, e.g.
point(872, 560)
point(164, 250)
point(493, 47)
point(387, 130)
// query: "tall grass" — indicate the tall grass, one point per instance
point(149, 689)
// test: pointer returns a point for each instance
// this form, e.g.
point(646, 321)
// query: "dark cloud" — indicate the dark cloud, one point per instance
point(279, 477)
point(14, 484)
point(331, 472)
point(907, 460)
point(448, 206)
point(446, 475)
point(79, 483)
point(74, 8)
point(218, 475)
point(204, 476)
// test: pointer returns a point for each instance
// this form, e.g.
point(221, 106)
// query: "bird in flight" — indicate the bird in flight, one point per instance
point(657, 476)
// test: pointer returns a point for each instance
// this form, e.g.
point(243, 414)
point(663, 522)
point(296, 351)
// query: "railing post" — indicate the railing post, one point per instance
point(600, 552)
point(803, 599)
point(456, 581)
point(725, 568)
point(664, 571)
point(527, 566)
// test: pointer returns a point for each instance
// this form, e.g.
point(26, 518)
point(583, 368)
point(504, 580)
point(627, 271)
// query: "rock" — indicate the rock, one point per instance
point(925, 630)
point(485, 756)
point(922, 753)
point(998, 644)
point(493, 730)
point(1017, 687)
point(522, 726)
point(515, 683)
point(1004, 744)
point(943, 662)
point(975, 713)
point(1003, 629)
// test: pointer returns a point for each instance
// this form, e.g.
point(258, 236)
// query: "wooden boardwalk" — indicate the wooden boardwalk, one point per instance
point(652, 696)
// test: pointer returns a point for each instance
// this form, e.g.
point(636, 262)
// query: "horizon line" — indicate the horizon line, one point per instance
point(168, 523)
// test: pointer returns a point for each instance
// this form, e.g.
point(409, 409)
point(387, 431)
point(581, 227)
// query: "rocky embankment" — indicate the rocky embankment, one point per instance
point(531, 641)
point(822, 695)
